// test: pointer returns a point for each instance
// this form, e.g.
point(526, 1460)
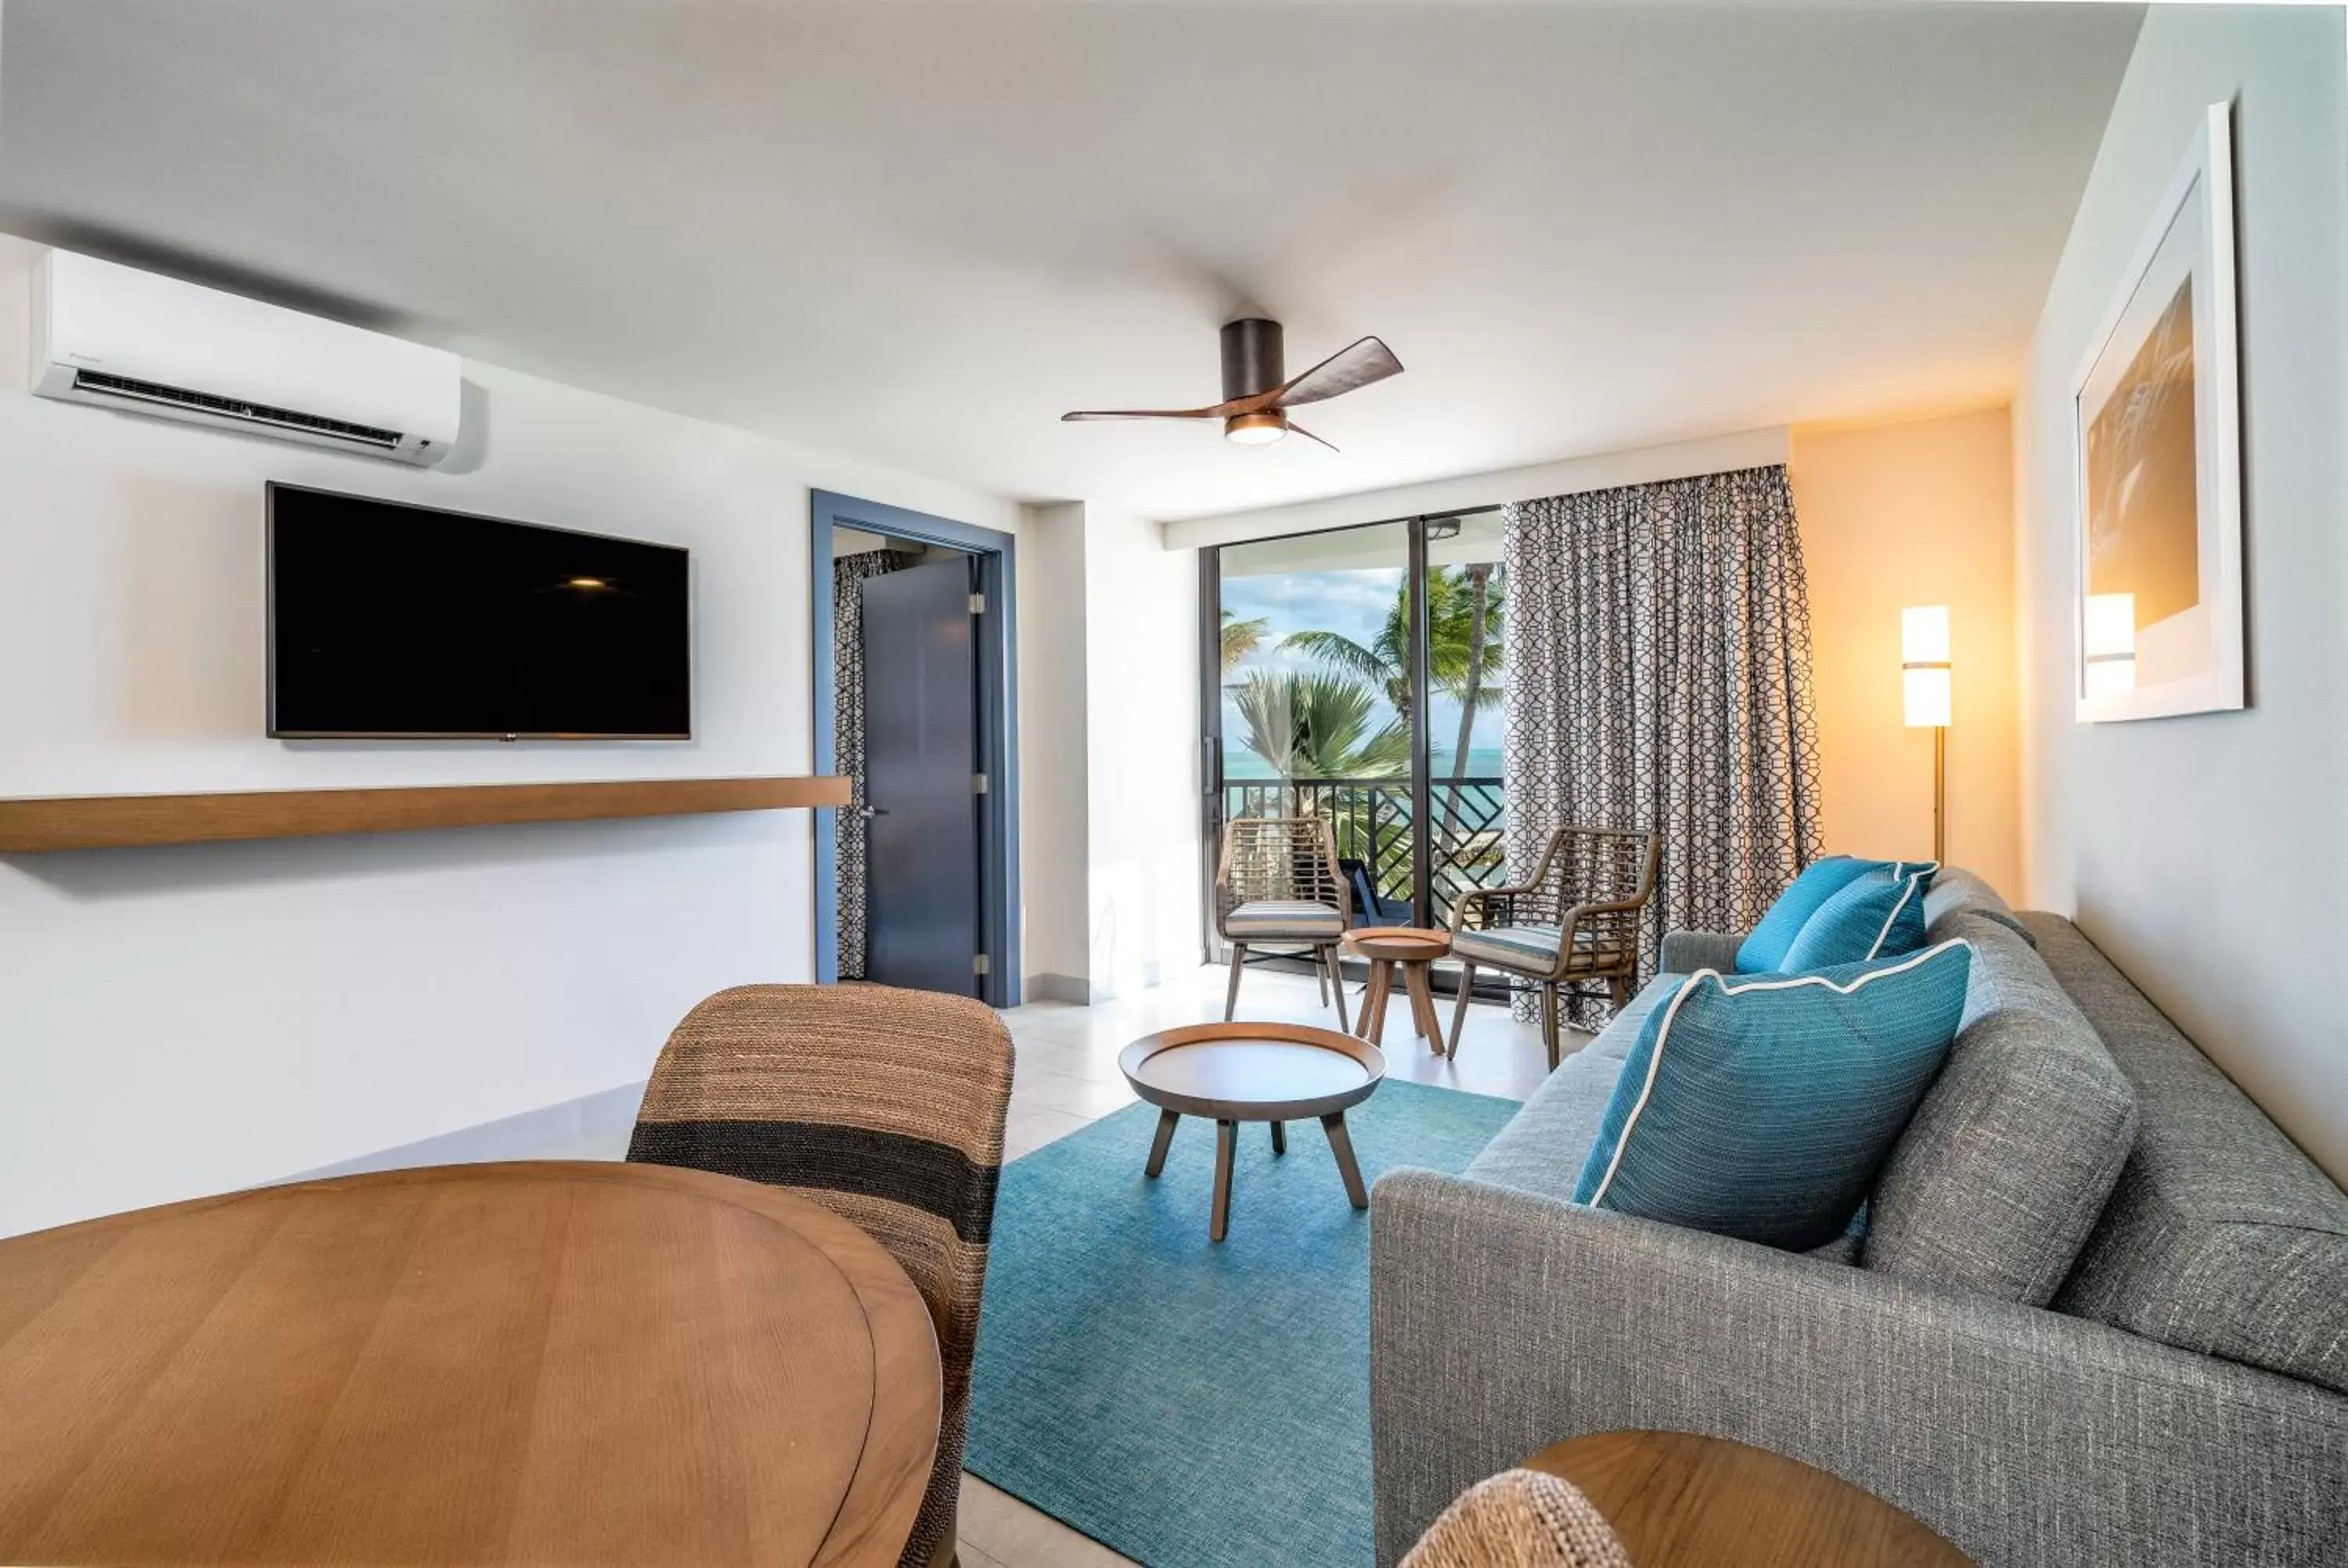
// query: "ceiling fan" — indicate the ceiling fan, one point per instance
point(1257, 397)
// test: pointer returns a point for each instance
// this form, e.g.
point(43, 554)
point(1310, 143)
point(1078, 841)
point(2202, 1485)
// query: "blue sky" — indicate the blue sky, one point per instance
point(1352, 602)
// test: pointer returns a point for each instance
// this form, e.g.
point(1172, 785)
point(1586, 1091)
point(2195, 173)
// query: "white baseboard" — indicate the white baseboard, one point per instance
point(522, 1137)
point(1057, 989)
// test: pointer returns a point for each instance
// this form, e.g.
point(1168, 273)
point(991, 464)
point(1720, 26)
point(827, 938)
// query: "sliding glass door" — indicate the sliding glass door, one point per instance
point(1358, 675)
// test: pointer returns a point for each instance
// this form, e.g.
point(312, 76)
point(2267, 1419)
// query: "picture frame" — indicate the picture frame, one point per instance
point(2156, 424)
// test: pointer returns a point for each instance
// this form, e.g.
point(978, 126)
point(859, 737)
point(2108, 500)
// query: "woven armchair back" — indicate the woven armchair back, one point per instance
point(1606, 873)
point(1278, 860)
point(885, 1106)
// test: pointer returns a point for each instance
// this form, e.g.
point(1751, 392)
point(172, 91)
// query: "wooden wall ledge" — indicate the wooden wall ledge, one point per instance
point(129, 820)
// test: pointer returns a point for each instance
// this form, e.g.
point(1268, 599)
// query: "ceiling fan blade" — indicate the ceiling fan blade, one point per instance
point(1347, 370)
point(1296, 429)
point(1082, 414)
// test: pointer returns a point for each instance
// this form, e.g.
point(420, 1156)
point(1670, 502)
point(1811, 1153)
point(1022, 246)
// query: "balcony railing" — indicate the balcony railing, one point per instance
point(1371, 821)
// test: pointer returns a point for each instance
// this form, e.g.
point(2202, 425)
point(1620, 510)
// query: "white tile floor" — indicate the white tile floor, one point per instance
point(1066, 1076)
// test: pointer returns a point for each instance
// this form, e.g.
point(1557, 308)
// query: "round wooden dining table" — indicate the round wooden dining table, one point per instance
point(552, 1362)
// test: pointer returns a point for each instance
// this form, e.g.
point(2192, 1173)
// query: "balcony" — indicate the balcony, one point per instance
point(1372, 820)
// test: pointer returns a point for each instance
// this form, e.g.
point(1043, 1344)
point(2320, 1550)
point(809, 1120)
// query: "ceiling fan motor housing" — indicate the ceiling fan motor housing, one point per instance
point(1252, 362)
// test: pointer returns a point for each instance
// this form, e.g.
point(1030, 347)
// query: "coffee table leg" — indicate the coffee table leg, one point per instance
point(1227, 1142)
point(1280, 1137)
point(1341, 1143)
point(1158, 1145)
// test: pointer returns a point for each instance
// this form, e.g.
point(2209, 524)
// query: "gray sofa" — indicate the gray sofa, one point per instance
point(2099, 1314)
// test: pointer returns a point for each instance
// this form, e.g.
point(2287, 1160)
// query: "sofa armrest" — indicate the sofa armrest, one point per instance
point(1685, 952)
point(1501, 1322)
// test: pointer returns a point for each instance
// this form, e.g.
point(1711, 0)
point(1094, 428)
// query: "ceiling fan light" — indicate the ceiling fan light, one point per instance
point(1255, 429)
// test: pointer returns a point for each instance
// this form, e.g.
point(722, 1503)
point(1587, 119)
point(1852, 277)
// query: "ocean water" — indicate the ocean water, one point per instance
point(1483, 763)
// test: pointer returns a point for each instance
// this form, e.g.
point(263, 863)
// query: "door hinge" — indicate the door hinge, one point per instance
point(978, 604)
point(978, 784)
point(979, 966)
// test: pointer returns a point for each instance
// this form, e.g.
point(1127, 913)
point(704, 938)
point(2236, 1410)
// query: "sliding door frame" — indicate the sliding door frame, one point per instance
point(1211, 741)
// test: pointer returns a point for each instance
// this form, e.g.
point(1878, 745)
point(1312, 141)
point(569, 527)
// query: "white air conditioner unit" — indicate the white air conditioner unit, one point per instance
point(140, 344)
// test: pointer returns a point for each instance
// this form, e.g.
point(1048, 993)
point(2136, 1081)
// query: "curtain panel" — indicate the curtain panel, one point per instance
point(848, 575)
point(1659, 651)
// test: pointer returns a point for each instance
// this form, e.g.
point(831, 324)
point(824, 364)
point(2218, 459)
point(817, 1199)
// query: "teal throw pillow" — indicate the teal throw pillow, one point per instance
point(1762, 1106)
point(1764, 949)
point(1879, 914)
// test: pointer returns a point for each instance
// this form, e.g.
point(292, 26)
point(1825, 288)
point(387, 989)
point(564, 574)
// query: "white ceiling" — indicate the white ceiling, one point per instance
point(918, 230)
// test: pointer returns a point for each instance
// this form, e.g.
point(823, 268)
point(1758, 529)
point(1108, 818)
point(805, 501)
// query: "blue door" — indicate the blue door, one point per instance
point(920, 772)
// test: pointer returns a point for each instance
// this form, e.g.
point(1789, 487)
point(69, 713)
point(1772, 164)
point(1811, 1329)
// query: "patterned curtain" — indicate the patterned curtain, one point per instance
point(848, 578)
point(1659, 651)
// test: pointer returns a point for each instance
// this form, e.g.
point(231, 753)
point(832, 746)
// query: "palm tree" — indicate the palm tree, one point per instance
point(1317, 726)
point(1465, 612)
point(1242, 638)
point(1312, 726)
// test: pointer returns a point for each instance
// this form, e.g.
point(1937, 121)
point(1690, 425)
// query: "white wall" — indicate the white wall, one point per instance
point(180, 1020)
point(1141, 640)
point(1054, 842)
point(2206, 855)
point(1468, 492)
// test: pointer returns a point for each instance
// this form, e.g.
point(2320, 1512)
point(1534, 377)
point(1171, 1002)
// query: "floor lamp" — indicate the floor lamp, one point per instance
point(1924, 694)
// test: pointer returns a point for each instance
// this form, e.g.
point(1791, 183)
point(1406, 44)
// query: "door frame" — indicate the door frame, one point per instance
point(998, 723)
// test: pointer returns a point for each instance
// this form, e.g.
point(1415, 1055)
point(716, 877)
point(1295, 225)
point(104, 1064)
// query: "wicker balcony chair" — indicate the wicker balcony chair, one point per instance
point(1575, 922)
point(886, 1107)
point(1278, 885)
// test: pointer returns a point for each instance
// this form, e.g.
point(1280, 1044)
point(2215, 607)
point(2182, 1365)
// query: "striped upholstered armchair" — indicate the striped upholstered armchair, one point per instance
point(884, 1106)
point(1574, 921)
point(1278, 884)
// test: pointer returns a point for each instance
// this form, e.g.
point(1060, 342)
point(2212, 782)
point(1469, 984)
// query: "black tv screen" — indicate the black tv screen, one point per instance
point(394, 622)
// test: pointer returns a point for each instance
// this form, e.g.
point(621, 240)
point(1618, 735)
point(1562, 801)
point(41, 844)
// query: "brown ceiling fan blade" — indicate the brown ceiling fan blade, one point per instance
point(1348, 370)
point(1081, 414)
point(1296, 429)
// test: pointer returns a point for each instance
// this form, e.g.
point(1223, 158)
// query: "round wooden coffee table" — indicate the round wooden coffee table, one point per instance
point(1235, 1072)
point(1681, 1500)
point(1415, 950)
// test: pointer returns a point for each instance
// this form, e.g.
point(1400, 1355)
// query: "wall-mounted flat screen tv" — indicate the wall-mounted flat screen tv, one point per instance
point(403, 622)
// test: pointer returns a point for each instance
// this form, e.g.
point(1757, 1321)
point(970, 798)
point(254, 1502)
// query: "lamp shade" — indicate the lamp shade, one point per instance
point(1925, 697)
point(1925, 634)
point(1924, 666)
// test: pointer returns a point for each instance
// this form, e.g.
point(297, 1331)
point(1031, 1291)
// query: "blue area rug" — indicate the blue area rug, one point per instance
point(1192, 1404)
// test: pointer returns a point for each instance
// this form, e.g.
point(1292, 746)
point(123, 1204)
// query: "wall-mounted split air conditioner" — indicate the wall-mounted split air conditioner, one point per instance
point(132, 341)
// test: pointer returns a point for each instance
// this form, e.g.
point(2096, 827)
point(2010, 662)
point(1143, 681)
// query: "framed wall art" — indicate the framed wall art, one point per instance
point(2157, 430)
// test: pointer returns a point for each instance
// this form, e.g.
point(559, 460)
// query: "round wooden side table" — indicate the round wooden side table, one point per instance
point(1413, 949)
point(1681, 1500)
point(1235, 1072)
point(578, 1363)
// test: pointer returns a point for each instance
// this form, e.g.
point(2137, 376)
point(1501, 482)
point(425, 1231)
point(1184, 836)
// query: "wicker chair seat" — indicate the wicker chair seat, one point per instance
point(1532, 949)
point(1273, 919)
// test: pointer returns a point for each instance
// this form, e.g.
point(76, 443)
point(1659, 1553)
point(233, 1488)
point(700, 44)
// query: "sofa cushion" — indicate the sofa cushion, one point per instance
point(1541, 1149)
point(2008, 1159)
point(1763, 948)
point(1876, 915)
point(1275, 918)
point(1957, 891)
point(1761, 1106)
point(2221, 1236)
